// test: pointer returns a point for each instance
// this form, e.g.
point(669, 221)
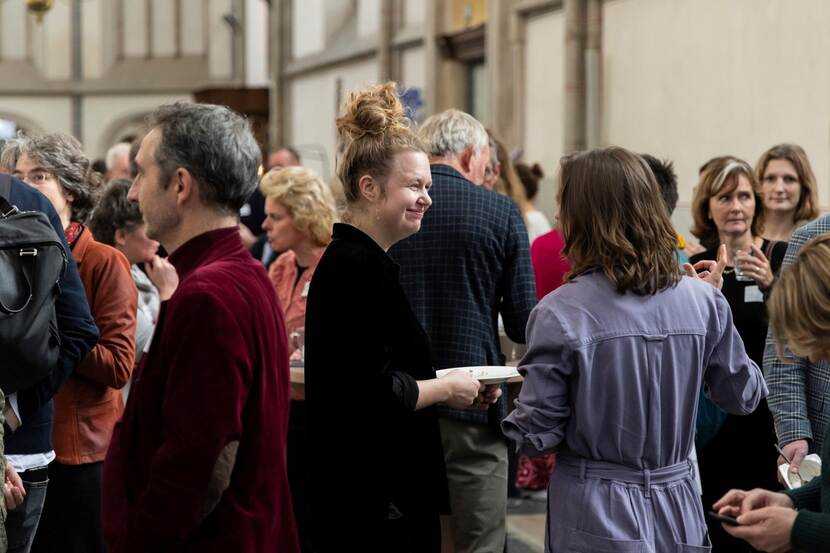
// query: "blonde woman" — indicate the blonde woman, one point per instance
point(799, 311)
point(299, 214)
point(376, 465)
point(788, 189)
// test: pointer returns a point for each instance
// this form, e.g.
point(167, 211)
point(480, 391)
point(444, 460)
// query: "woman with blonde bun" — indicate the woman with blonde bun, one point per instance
point(376, 467)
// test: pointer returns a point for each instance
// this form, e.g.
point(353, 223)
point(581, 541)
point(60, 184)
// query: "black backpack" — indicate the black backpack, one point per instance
point(32, 262)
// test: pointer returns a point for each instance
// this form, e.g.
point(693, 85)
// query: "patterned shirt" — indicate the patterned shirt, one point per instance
point(798, 388)
point(469, 263)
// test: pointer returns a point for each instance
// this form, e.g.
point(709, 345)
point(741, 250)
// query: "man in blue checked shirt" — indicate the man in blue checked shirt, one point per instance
point(469, 263)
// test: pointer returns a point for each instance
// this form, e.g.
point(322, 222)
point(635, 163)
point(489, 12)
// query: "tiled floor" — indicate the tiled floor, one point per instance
point(525, 526)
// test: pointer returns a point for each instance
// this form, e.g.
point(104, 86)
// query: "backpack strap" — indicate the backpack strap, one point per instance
point(6, 208)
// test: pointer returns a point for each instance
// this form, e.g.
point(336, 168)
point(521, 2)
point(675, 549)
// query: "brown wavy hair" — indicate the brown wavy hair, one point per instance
point(372, 129)
point(807, 207)
point(614, 220)
point(719, 175)
point(799, 306)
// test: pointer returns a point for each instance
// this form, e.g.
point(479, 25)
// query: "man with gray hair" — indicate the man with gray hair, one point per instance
point(118, 161)
point(469, 263)
point(197, 462)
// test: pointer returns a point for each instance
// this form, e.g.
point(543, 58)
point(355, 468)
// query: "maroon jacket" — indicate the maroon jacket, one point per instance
point(216, 377)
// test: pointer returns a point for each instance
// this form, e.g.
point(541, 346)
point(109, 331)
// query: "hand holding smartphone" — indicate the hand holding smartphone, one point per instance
point(732, 521)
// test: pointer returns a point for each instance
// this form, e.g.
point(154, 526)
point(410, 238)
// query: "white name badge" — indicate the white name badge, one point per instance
point(305, 290)
point(753, 294)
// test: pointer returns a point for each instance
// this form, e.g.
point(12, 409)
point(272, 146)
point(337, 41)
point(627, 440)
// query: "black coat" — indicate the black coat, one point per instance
point(376, 468)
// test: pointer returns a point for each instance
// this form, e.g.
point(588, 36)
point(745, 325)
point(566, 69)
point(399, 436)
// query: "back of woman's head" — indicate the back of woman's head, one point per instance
point(720, 175)
point(62, 156)
point(114, 212)
point(306, 198)
point(530, 175)
point(614, 220)
point(799, 306)
point(807, 207)
point(509, 183)
point(372, 129)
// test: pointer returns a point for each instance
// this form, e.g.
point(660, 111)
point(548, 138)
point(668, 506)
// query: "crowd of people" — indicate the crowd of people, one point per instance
point(195, 277)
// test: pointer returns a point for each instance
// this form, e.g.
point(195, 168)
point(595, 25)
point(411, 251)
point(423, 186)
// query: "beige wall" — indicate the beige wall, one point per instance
point(106, 117)
point(413, 71)
point(544, 100)
point(314, 104)
point(760, 77)
point(48, 114)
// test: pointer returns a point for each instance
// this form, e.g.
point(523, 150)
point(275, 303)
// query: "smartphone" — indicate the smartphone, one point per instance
point(723, 518)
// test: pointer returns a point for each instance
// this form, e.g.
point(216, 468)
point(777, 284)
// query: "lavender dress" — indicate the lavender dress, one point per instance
point(611, 383)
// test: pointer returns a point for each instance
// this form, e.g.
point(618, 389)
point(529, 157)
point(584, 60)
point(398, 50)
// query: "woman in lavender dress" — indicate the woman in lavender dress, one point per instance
point(615, 358)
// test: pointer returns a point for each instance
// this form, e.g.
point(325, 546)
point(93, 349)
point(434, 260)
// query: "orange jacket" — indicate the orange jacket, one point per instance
point(89, 403)
point(283, 274)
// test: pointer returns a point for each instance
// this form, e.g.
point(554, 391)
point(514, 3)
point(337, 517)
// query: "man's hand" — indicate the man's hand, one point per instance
point(13, 490)
point(796, 451)
point(767, 529)
point(737, 502)
point(707, 270)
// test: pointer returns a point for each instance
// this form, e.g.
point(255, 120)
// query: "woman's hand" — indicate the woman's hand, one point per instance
point(756, 266)
point(163, 275)
point(461, 388)
point(488, 394)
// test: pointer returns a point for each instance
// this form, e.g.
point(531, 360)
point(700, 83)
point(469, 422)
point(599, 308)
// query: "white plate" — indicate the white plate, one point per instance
point(810, 468)
point(485, 375)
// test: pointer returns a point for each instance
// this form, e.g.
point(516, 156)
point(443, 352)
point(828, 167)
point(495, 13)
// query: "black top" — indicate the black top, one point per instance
point(749, 309)
point(749, 438)
point(370, 453)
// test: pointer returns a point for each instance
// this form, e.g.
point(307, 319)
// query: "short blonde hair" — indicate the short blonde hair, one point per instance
point(799, 307)
point(718, 175)
point(307, 199)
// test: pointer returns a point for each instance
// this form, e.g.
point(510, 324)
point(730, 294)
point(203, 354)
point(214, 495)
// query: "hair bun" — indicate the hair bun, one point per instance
point(371, 112)
point(537, 171)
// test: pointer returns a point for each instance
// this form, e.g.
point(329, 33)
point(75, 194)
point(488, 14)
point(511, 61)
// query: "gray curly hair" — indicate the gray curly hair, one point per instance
point(62, 156)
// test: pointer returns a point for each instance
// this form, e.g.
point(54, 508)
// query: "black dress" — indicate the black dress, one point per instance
point(377, 480)
point(742, 454)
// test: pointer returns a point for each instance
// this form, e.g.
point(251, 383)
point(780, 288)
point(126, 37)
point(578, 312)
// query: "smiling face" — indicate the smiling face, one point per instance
point(406, 200)
point(279, 227)
point(733, 208)
point(781, 188)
